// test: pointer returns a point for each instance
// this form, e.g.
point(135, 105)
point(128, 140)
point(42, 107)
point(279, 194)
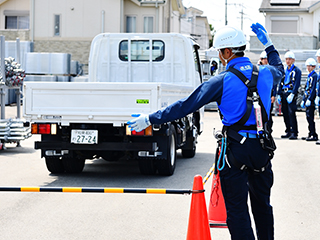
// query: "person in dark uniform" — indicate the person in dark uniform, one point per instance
point(287, 96)
point(317, 101)
point(231, 95)
point(214, 67)
point(309, 98)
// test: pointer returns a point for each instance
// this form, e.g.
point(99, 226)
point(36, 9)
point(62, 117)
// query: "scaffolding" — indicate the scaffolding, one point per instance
point(11, 130)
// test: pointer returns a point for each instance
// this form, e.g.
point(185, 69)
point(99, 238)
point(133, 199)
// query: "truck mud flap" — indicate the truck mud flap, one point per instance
point(114, 146)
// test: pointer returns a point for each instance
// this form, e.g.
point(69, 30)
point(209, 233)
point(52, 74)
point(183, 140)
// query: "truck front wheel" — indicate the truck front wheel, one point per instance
point(54, 164)
point(167, 165)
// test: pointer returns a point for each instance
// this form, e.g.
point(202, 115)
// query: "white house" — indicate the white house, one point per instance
point(70, 25)
point(292, 24)
point(193, 23)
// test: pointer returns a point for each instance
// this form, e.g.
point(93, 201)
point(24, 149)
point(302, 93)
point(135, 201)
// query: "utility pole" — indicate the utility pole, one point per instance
point(226, 13)
point(241, 18)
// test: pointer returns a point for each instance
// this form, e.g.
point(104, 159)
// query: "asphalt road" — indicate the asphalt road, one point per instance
point(295, 195)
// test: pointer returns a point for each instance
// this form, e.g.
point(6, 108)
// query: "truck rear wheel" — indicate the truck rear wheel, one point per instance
point(73, 165)
point(54, 164)
point(147, 166)
point(188, 153)
point(167, 165)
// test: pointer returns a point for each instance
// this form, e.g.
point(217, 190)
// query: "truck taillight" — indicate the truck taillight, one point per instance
point(44, 128)
point(145, 132)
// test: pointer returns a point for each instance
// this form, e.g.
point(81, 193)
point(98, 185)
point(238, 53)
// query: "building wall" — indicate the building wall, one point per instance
point(285, 42)
point(131, 9)
point(80, 19)
point(10, 35)
point(201, 30)
point(316, 26)
point(304, 21)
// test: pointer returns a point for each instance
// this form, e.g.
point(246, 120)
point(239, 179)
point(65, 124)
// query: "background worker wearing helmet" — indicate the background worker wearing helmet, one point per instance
point(231, 95)
point(317, 101)
point(263, 58)
point(308, 99)
point(287, 96)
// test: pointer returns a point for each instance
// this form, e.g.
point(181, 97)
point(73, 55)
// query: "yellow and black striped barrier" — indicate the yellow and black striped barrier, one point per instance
point(99, 190)
point(211, 170)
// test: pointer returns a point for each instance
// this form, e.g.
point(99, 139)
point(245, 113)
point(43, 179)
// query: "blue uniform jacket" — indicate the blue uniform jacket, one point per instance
point(228, 91)
point(310, 88)
point(293, 72)
point(318, 85)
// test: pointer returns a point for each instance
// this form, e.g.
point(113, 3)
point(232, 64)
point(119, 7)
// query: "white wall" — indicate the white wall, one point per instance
point(202, 30)
point(79, 18)
point(305, 22)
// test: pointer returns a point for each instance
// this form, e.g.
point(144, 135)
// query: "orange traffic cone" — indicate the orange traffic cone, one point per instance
point(217, 209)
point(198, 227)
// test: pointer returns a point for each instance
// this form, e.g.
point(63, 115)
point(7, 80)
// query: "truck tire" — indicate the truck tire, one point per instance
point(190, 150)
point(188, 153)
point(147, 166)
point(167, 165)
point(54, 164)
point(73, 165)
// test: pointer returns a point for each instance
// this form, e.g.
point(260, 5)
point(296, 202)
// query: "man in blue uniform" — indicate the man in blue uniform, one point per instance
point(317, 101)
point(255, 175)
point(309, 99)
point(287, 96)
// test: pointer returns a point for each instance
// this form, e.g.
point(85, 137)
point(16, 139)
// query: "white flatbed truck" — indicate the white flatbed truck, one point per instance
point(87, 120)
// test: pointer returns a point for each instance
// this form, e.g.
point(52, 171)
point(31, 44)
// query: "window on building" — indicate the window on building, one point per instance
point(140, 50)
point(16, 19)
point(285, 2)
point(148, 25)
point(284, 24)
point(131, 24)
point(56, 25)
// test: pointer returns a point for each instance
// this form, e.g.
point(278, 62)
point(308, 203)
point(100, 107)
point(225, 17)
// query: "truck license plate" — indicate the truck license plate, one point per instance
point(84, 136)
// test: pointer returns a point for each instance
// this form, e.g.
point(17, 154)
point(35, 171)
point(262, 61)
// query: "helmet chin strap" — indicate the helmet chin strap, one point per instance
point(226, 60)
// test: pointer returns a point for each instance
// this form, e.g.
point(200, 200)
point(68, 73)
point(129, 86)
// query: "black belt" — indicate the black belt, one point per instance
point(287, 89)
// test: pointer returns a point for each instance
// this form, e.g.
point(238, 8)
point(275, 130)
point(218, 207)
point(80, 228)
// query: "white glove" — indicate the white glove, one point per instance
point(308, 103)
point(317, 100)
point(290, 98)
point(139, 122)
point(262, 34)
point(302, 104)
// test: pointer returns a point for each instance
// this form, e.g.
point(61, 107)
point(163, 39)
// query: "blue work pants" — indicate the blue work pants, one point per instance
point(236, 184)
point(289, 114)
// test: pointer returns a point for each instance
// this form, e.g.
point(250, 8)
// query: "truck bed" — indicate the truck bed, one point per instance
point(97, 102)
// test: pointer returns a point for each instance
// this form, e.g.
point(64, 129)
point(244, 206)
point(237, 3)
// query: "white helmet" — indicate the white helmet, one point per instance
point(311, 62)
point(318, 53)
point(229, 37)
point(289, 54)
point(263, 54)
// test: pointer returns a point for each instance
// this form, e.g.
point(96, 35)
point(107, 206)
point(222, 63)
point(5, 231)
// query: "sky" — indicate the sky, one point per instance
point(214, 10)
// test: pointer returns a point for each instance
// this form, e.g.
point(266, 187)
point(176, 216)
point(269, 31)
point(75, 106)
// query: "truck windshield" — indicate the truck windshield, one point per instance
point(140, 50)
